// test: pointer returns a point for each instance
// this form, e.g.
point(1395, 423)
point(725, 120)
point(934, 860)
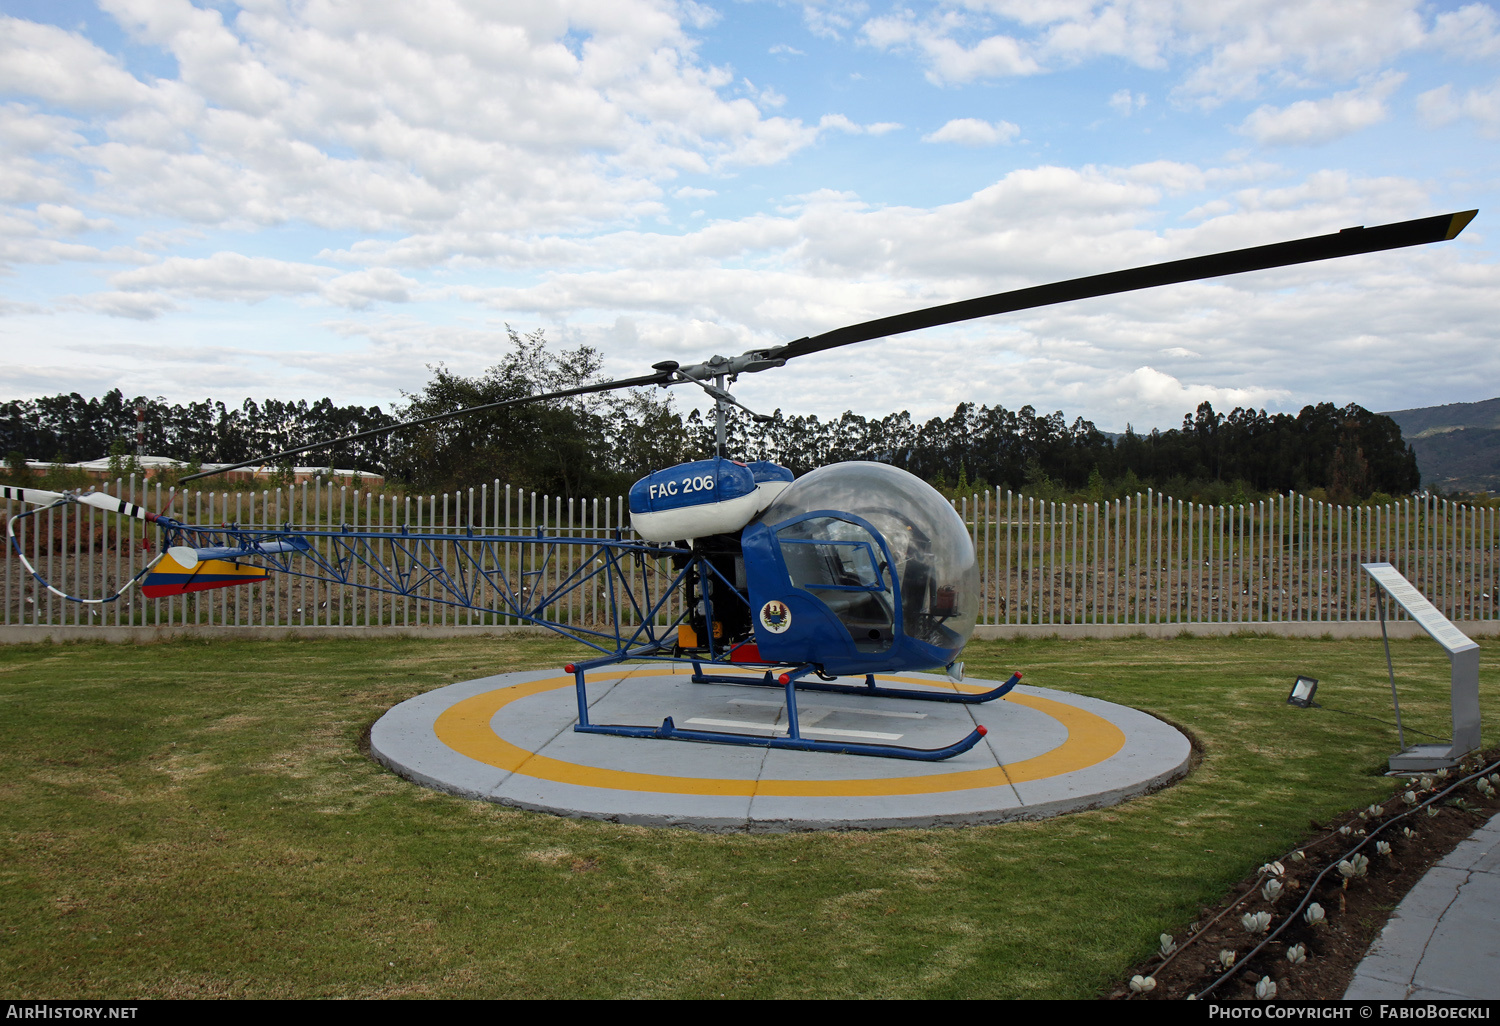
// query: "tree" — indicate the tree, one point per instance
point(575, 446)
point(122, 460)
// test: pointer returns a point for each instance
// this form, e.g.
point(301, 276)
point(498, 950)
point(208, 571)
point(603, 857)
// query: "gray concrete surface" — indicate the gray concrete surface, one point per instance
point(1031, 764)
point(1443, 941)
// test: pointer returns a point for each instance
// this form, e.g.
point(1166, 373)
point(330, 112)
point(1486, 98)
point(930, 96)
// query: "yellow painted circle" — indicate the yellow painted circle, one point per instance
point(465, 728)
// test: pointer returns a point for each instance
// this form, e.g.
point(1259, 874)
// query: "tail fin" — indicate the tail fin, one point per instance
point(169, 577)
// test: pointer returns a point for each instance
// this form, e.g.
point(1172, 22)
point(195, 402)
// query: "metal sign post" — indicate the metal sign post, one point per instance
point(1463, 659)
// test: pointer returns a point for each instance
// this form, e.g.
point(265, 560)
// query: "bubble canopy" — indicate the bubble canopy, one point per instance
point(931, 557)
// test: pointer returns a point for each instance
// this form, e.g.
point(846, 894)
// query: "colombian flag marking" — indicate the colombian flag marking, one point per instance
point(170, 577)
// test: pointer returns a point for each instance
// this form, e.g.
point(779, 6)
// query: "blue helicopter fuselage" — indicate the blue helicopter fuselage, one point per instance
point(856, 568)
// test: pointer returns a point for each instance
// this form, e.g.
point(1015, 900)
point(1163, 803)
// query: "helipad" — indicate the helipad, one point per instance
point(510, 739)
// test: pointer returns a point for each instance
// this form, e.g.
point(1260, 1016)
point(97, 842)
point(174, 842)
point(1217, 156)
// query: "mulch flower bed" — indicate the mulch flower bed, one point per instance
point(1215, 958)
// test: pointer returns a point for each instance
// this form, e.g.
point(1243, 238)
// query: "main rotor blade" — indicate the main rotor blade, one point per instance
point(1349, 242)
point(661, 377)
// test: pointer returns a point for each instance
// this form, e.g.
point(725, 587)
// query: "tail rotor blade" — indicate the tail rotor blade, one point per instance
point(35, 496)
point(109, 503)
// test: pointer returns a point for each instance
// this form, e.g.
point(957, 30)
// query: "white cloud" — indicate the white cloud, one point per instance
point(767, 97)
point(383, 121)
point(64, 68)
point(234, 277)
point(1124, 103)
point(830, 19)
point(992, 57)
point(136, 306)
point(359, 289)
point(700, 16)
point(1309, 122)
point(71, 220)
point(12, 308)
point(1439, 107)
point(1244, 42)
point(42, 236)
point(1472, 32)
point(839, 123)
point(167, 238)
point(1227, 50)
point(1138, 32)
point(974, 132)
point(949, 60)
point(35, 150)
point(226, 276)
point(1163, 394)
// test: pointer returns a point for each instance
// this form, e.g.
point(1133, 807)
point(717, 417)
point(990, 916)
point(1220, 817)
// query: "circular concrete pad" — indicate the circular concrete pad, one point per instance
point(510, 739)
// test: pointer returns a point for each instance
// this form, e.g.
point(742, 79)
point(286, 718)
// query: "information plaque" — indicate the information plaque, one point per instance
point(1463, 661)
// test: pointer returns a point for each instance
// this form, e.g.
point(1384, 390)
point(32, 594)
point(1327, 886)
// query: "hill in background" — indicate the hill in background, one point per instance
point(1457, 446)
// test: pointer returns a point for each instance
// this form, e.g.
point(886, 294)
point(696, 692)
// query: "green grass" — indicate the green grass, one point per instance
point(195, 819)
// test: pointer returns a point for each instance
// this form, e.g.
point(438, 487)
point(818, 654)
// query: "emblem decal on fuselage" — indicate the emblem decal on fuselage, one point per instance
point(775, 617)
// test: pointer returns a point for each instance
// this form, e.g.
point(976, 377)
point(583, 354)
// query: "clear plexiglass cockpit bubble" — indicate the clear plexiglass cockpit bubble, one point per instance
point(932, 557)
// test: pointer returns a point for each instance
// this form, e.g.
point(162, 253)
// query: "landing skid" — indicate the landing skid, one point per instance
point(868, 689)
point(790, 682)
point(668, 731)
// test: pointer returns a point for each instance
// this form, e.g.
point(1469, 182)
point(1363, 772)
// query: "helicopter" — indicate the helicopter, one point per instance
point(852, 570)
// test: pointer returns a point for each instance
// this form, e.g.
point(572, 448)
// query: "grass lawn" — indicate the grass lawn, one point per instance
point(195, 819)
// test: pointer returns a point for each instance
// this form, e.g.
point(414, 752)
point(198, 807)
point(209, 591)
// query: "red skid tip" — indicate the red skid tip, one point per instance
point(785, 678)
point(1019, 675)
point(982, 731)
point(570, 668)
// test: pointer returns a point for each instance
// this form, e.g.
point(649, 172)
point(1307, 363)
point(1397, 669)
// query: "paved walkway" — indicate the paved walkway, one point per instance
point(1443, 941)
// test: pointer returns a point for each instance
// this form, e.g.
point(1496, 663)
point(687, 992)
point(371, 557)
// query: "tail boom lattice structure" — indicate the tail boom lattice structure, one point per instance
point(470, 571)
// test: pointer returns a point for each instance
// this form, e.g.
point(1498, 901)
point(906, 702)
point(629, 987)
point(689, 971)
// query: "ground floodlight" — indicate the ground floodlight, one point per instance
point(1302, 692)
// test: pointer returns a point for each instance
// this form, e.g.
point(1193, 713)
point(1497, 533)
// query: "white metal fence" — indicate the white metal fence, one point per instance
point(1140, 560)
point(1150, 558)
point(89, 553)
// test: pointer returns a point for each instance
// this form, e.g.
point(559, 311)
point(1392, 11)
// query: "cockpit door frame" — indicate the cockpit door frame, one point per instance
point(884, 570)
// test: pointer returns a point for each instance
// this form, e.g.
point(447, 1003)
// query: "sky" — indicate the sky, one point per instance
point(295, 199)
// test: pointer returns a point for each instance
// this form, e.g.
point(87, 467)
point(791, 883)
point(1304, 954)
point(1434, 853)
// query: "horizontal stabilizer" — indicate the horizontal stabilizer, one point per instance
point(188, 557)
